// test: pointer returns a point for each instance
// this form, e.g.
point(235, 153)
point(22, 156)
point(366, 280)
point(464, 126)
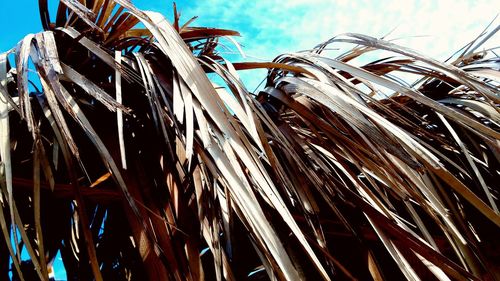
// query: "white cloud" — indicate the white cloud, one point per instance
point(270, 28)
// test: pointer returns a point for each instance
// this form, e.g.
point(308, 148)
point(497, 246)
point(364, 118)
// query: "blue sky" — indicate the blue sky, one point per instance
point(272, 27)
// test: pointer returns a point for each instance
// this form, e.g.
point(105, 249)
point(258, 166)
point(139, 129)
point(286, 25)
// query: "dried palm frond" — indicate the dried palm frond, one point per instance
point(119, 152)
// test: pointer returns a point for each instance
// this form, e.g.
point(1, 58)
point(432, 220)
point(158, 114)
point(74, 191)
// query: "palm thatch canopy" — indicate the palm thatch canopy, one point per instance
point(118, 152)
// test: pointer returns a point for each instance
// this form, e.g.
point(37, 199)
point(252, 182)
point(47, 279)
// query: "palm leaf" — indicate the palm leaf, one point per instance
point(332, 170)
